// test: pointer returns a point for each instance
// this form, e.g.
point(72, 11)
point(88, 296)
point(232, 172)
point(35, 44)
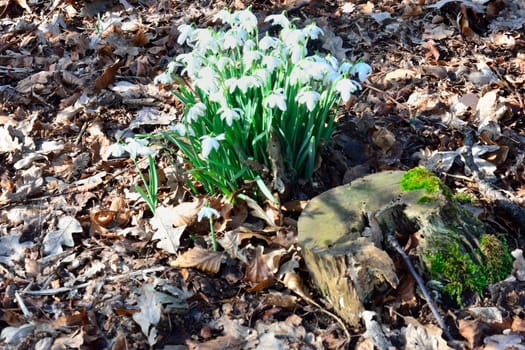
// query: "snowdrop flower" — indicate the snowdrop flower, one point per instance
point(345, 67)
point(308, 98)
point(247, 82)
point(248, 57)
point(279, 20)
point(210, 143)
point(234, 38)
point(298, 75)
point(262, 75)
point(293, 37)
point(224, 16)
point(297, 53)
point(207, 212)
point(247, 20)
point(268, 42)
point(207, 80)
point(346, 87)
point(276, 99)
point(224, 63)
point(362, 69)
point(218, 97)
point(195, 112)
point(192, 62)
point(271, 63)
point(163, 78)
point(204, 39)
point(181, 129)
point(231, 84)
point(137, 148)
point(229, 114)
point(186, 32)
point(312, 31)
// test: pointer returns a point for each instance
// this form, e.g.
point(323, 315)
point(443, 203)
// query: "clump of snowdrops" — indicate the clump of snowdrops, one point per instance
point(249, 95)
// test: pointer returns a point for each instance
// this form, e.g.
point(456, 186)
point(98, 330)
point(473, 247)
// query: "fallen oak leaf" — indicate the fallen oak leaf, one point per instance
point(199, 258)
point(108, 76)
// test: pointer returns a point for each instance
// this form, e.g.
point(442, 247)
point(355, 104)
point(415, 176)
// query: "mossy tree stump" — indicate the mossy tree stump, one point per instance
point(341, 234)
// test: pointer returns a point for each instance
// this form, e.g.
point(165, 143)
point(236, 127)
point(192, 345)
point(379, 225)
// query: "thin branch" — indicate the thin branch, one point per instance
point(393, 241)
point(54, 291)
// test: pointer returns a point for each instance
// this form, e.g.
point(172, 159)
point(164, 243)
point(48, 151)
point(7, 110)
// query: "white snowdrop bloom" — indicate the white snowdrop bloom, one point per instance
point(298, 75)
point(346, 87)
point(137, 147)
point(231, 84)
point(217, 97)
point(224, 63)
point(191, 62)
point(362, 70)
point(280, 20)
point(262, 75)
point(313, 31)
point(345, 67)
point(207, 80)
point(247, 20)
point(203, 37)
point(247, 82)
point(293, 37)
point(308, 98)
point(196, 111)
point(276, 99)
point(229, 114)
point(249, 45)
point(224, 16)
point(297, 53)
point(186, 32)
point(271, 63)
point(234, 38)
point(163, 78)
point(210, 143)
point(207, 212)
point(179, 128)
point(268, 42)
point(331, 60)
point(248, 57)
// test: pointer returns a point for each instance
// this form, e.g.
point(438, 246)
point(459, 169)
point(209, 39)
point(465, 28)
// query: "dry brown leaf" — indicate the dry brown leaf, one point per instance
point(258, 273)
point(140, 39)
point(108, 76)
point(23, 4)
point(400, 74)
point(200, 258)
point(383, 138)
point(433, 52)
point(472, 331)
point(518, 325)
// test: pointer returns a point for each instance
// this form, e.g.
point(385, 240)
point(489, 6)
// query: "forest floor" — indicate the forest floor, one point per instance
point(81, 264)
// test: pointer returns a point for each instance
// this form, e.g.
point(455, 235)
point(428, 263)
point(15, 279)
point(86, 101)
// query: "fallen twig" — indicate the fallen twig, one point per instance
point(53, 291)
point(394, 243)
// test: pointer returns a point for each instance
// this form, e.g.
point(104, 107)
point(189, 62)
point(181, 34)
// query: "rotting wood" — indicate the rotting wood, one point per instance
point(336, 234)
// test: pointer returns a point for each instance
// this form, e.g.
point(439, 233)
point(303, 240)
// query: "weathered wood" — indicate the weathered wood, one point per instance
point(341, 235)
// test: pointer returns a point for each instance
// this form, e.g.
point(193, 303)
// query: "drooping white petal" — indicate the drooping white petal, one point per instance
point(195, 112)
point(308, 98)
point(279, 20)
point(207, 212)
point(210, 143)
point(362, 70)
point(346, 87)
point(186, 31)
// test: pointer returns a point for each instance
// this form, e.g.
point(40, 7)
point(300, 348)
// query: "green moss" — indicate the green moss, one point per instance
point(459, 272)
point(465, 198)
point(420, 178)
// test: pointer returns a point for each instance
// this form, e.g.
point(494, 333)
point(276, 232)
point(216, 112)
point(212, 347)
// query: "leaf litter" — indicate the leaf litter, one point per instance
point(78, 247)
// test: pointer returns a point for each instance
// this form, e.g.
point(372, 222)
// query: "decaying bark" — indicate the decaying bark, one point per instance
point(341, 233)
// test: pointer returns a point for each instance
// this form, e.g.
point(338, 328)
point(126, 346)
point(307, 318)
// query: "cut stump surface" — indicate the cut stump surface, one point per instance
point(341, 234)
